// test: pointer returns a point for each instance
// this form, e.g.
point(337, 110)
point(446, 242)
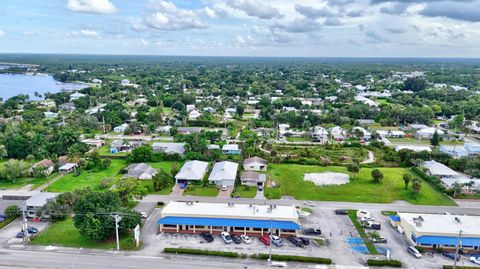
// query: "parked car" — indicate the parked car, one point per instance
point(296, 241)
point(372, 225)
point(260, 188)
point(20, 234)
point(277, 241)
point(413, 251)
point(450, 255)
point(363, 214)
point(379, 240)
point(265, 239)
point(207, 236)
point(278, 264)
point(246, 239)
point(2, 219)
point(226, 237)
point(224, 188)
point(305, 240)
point(309, 203)
point(31, 230)
point(475, 260)
point(236, 239)
point(312, 231)
point(144, 214)
point(341, 212)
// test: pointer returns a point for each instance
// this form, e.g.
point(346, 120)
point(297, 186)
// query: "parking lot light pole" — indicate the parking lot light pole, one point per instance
point(270, 247)
point(458, 247)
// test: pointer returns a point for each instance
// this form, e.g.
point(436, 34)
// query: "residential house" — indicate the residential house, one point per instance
point(76, 96)
point(224, 174)
point(255, 164)
point(251, 178)
point(365, 122)
point(194, 115)
point(119, 146)
point(365, 135)
point(472, 148)
point(416, 148)
point(121, 128)
point(169, 148)
point(391, 133)
point(164, 129)
point(67, 168)
point(34, 205)
point(190, 108)
point(140, 171)
point(191, 171)
point(416, 127)
point(93, 143)
point(338, 133)
point(213, 146)
point(319, 134)
point(455, 151)
point(67, 107)
point(50, 115)
point(427, 133)
point(209, 109)
point(45, 165)
point(438, 169)
point(231, 149)
point(189, 130)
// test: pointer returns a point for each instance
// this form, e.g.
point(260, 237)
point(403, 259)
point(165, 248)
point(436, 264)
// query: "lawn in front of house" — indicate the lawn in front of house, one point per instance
point(86, 179)
point(245, 191)
point(165, 165)
point(289, 177)
point(196, 190)
point(21, 182)
point(105, 151)
point(64, 233)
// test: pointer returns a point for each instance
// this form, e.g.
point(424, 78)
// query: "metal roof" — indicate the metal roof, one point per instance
point(192, 170)
point(288, 225)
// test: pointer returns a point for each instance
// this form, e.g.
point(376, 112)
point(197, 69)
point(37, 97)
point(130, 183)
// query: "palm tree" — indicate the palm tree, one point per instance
point(416, 187)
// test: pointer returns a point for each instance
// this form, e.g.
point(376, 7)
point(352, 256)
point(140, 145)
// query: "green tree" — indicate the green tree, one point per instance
point(457, 189)
point(12, 212)
point(14, 169)
point(377, 175)
point(141, 154)
point(416, 186)
point(353, 168)
point(458, 121)
point(435, 141)
point(3, 151)
point(129, 188)
point(407, 178)
point(162, 180)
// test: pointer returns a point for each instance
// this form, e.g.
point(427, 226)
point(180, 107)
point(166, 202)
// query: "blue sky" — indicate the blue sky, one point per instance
point(359, 28)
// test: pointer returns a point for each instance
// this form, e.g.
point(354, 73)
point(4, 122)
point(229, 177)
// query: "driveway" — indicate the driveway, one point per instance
point(177, 191)
point(260, 195)
point(226, 193)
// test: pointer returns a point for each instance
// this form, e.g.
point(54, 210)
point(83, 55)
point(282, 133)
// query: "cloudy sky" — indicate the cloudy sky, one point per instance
point(392, 28)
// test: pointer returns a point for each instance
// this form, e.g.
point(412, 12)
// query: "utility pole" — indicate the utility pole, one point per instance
point(103, 120)
point(458, 247)
point(270, 246)
point(118, 218)
point(25, 228)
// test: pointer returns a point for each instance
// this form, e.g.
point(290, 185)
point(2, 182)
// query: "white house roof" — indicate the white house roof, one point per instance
point(449, 181)
point(439, 169)
point(40, 199)
point(67, 166)
point(224, 170)
point(192, 170)
point(169, 147)
point(230, 147)
point(413, 147)
point(429, 131)
point(255, 159)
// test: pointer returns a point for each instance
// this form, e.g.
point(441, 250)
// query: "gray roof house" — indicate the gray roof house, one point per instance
point(251, 178)
point(169, 148)
point(34, 204)
point(224, 173)
point(141, 171)
point(438, 169)
point(192, 171)
point(189, 130)
point(255, 164)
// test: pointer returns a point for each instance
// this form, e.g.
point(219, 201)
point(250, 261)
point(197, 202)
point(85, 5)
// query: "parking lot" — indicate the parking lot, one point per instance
point(8, 233)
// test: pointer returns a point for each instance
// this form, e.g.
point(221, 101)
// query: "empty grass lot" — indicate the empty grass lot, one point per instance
point(245, 191)
point(209, 191)
point(64, 233)
point(361, 189)
point(22, 182)
point(86, 179)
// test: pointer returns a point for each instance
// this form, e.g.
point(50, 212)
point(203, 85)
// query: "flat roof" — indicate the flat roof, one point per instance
point(288, 225)
point(40, 199)
point(443, 224)
point(233, 211)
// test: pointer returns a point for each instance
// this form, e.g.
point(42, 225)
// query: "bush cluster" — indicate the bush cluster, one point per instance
point(389, 263)
point(201, 252)
point(291, 258)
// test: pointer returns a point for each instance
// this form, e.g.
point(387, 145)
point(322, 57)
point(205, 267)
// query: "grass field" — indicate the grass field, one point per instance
point(91, 179)
point(245, 191)
point(105, 151)
point(209, 191)
point(290, 179)
point(21, 182)
point(166, 166)
point(338, 155)
point(64, 233)
point(411, 140)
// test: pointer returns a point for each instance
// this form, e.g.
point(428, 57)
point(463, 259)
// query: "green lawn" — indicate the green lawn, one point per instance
point(209, 191)
point(298, 139)
point(245, 191)
point(290, 179)
point(64, 233)
point(166, 165)
point(105, 151)
point(411, 140)
point(87, 178)
point(21, 182)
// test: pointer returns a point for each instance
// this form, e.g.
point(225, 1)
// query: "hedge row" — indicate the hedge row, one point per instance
point(435, 181)
point(292, 258)
point(459, 267)
point(390, 263)
point(6, 222)
point(201, 252)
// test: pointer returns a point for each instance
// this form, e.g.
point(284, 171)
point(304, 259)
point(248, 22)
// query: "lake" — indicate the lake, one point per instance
point(12, 85)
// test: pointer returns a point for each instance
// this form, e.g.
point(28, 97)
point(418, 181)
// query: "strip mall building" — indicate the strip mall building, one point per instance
point(249, 219)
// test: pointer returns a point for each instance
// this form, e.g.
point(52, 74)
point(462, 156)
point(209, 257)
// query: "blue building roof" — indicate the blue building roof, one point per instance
point(286, 225)
point(447, 240)
point(394, 218)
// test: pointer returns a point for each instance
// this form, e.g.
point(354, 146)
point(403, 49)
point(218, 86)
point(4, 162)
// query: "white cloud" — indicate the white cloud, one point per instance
point(255, 9)
point(2, 33)
point(92, 6)
point(169, 17)
point(86, 32)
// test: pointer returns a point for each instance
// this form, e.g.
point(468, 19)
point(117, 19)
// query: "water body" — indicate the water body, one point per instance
point(12, 85)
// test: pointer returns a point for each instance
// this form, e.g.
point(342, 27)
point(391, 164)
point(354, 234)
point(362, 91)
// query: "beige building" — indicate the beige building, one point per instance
point(190, 217)
point(439, 231)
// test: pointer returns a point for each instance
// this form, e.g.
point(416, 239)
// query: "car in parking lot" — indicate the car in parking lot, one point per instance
point(371, 225)
point(450, 255)
point(305, 240)
point(246, 239)
point(144, 214)
point(475, 260)
point(312, 231)
point(265, 239)
point(296, 241)
point(224, 187)
point(277, 241)
point(226, 237)
point(236, 239)
point(413, 251)
point(207, 236)
point(309, 203)
point(379, 240)
point(341, 212)
point(32, 230)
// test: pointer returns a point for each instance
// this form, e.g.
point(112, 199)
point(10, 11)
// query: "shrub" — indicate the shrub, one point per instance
point(389, 263)
point(291, 258)
point(12, 212)
point(201, 252)
point(129, 244)
point(459, 267)
point(420, 249)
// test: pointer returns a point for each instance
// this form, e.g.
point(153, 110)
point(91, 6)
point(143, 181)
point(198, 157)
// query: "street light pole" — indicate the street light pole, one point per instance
point(458, 247)
point(118, 218)
point(270, 247)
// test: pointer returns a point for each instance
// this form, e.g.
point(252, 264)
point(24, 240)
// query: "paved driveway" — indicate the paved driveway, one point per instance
point(259, 195)
point(226, 193)
point(177, 191)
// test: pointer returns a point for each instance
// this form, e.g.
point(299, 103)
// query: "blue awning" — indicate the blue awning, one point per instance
point(394, 218)
point(447, 240)
point(286, 225)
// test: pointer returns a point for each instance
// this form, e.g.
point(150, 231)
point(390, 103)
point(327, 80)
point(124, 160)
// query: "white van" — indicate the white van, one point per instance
point(278, 264)
point(364, 214)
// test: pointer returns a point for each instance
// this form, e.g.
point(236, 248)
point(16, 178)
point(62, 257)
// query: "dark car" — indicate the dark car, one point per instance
point(341, 212)
point(207, 236)
point(312, 231)
point(296, 241)
point(305, 240)
point(32, 230)
point(2, 219)
point(450, 256)
point(236, 239)
point(20, 235)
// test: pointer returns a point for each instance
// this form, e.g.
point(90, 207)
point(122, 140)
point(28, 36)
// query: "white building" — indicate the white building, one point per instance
point(224, 174)
point(76, 96)
point(413, 148)
point(338, 133)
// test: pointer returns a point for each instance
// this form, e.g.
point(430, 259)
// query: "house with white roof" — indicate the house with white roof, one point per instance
point(455, 151)
point(319, 134)
point(50, 115)
point(338, 133)
point(224, 173)
point(169, 148)
point(190, 107)
point(365, 135)
point(67, 168)
point(391, 133)
point(416, 148)
point(194, 114)
point(140, 171)
point(121, 128)
point(427, 133)
point(231, 149)
point(191, 171)
point(251, 178)
point(255, 164)
point(76, 96)
point(438, 169)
